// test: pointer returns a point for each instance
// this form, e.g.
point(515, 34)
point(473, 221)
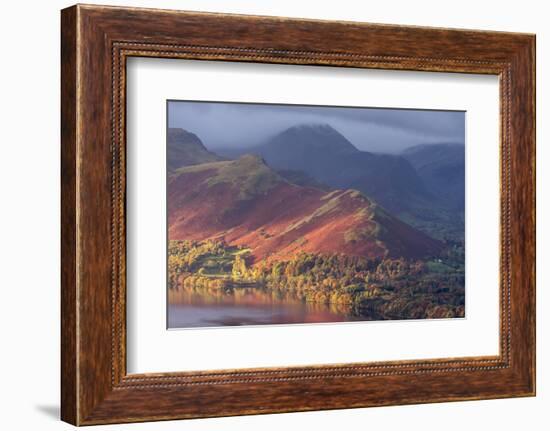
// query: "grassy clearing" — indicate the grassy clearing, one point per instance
point(220, 266)
point(439, 267)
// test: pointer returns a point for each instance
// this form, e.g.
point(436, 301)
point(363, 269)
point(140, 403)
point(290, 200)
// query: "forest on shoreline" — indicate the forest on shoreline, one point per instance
point(379, 288)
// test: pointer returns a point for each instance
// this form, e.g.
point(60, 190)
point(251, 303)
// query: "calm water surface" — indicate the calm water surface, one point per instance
point(248, 307)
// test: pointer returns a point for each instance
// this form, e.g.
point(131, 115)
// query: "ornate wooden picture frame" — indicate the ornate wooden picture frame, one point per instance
point(96, 41)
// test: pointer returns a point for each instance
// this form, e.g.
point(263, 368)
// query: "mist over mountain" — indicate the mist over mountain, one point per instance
point(224, 126)
point(442, 168)
point(326, 155)
point(424, 186)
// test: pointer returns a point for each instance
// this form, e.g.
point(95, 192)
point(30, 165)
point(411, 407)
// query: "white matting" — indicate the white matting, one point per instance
point(152, 348)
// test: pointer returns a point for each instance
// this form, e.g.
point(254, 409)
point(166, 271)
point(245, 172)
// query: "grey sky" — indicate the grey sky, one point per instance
point(234, 125)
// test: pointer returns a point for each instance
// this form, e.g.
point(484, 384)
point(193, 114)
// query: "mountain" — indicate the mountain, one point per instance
point(328, 157)
point(301, 179)
point(442, 168)
point(186, 149)
point(295, 147)
point(245, 202)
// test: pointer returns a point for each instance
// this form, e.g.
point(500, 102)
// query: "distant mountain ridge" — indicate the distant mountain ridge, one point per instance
point(327, 156)
point(442, 168)
point(290, 147)
point(300, 178)
point(245, 202)
point(185, 149)
point(423, 186)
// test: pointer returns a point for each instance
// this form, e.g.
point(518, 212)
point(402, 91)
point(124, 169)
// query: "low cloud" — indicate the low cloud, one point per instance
point(232, 125)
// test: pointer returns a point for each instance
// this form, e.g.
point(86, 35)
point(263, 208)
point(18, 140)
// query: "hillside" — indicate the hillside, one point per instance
point(186, 149)
point(442, 168)
point(246, 203)
point(300, 178)
point(329, 158)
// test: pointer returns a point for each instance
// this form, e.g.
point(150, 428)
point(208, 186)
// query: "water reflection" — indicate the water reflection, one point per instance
point(249, 306)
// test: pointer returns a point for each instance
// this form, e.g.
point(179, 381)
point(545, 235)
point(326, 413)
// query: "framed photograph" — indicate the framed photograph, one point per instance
point(289, 222)
point(265, 215)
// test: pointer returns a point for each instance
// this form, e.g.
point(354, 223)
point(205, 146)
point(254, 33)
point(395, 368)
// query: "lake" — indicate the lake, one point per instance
point(248, 306)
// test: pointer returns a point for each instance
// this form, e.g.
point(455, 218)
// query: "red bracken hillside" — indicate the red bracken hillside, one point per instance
point(245, 202)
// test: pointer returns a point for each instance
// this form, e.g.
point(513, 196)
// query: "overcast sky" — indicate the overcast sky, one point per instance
point(221, 124)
